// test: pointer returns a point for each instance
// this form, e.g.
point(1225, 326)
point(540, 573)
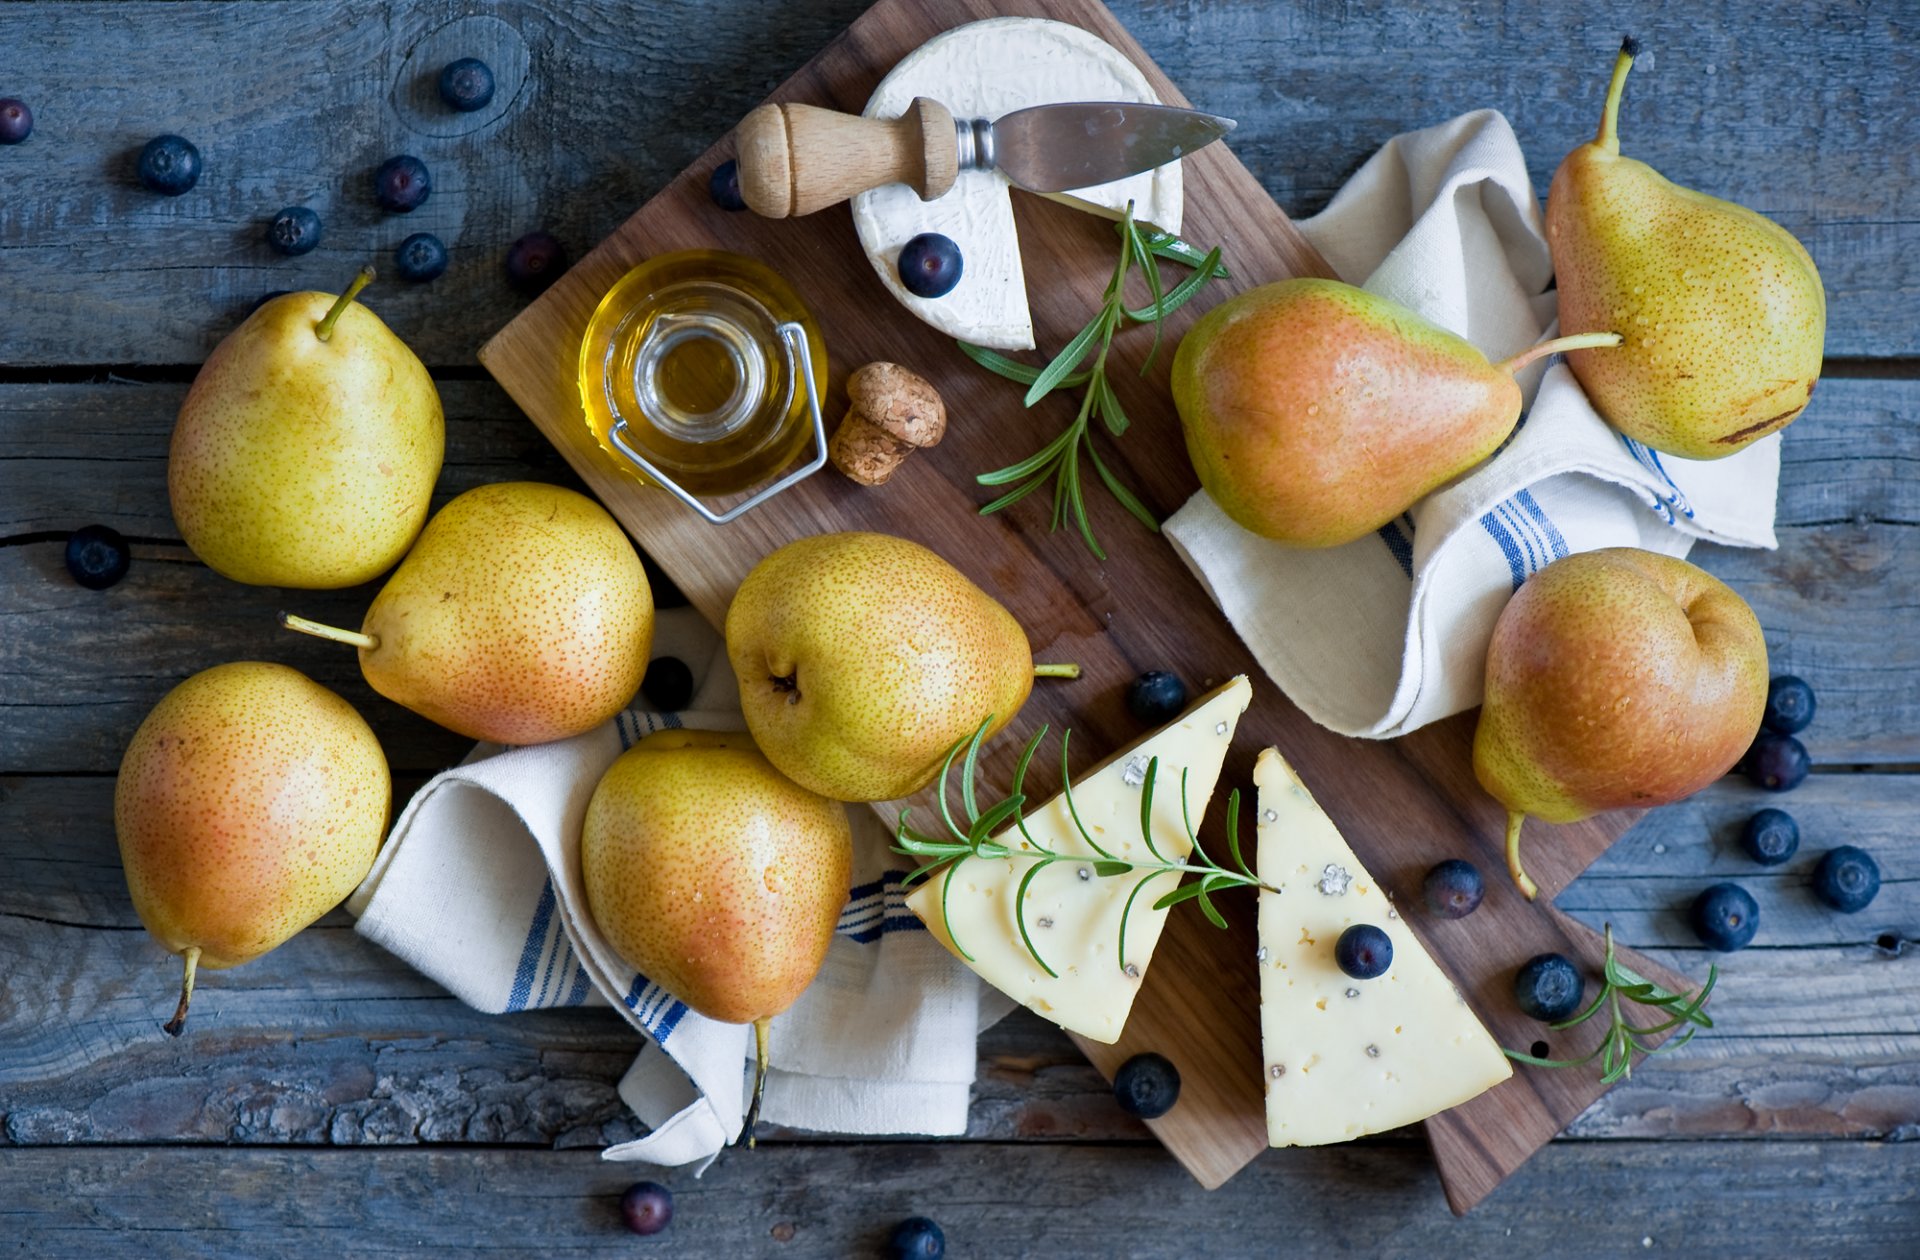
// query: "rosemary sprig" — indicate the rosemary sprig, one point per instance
point(977, 840)
point(1059, 460)
point(1616, 1051)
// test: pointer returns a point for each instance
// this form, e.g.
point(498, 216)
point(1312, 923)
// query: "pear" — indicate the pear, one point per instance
point(1316, 412)
point(716, 876)
point(251, 801)
point(1615, 679)
point(863, 658)
point(522, 615)
point(306, 451)
point(1722, 309)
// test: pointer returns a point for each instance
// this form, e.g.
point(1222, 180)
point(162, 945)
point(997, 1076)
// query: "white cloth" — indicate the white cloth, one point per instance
point(1388, 633)
point(479, 887)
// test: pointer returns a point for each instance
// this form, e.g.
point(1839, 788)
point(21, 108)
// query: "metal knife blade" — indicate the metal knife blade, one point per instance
point(1054, 148)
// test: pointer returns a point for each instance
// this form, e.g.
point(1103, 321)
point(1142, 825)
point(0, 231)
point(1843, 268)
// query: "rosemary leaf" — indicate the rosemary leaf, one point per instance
point(1020, 913)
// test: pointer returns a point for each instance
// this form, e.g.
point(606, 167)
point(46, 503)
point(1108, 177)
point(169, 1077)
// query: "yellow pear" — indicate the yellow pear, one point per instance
point(522, 615)
point(1616, 679)
point(1723, 312)
point(1316, 412)
point(716, 876)
point(251, 801)
point(307, 449)
point(862, 658)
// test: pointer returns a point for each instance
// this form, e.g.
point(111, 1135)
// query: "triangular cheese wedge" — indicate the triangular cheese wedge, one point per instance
point(1072, 914)
point(1345, 1057)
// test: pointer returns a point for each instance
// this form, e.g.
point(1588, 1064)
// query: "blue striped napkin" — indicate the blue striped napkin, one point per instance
point(1389, 632)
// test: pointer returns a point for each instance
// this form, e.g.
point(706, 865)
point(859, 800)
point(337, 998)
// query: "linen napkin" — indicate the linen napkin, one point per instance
point(479, 887)
point(1389, 632)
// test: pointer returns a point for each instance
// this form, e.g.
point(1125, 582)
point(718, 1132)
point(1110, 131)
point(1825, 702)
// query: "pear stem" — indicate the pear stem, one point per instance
point(324, 329)
point(319, 630)
point(1576, 341)
point(760, 1027)
point(1526, 885)
point(1068, 670)
point(1609, 137)
point(174, 1026)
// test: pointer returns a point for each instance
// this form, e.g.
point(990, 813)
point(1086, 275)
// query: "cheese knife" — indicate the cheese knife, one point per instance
point(796, 159)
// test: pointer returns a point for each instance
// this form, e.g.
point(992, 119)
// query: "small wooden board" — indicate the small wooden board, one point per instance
point(1403, 805)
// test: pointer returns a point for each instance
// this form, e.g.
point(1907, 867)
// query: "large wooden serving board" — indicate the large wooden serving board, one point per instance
point(1403, 805)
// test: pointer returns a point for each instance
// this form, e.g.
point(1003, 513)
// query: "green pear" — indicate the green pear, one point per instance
point(716, 876)
point(306, 451)
point(522, 615)
point(1616, 679)
point(251, 801)
point(1722, 309)
point(863, 658)
point(1316, 412)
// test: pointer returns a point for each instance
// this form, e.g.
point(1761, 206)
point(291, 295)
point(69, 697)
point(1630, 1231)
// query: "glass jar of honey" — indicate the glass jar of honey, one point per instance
point(700, 372)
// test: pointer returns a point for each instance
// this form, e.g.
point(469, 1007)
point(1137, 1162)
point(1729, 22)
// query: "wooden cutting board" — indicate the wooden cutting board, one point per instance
point(1403, 805)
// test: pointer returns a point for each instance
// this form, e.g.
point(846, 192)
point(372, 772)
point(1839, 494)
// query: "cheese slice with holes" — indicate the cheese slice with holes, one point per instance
point(1345, 1057)
point(1072, 914)
point(984, 70)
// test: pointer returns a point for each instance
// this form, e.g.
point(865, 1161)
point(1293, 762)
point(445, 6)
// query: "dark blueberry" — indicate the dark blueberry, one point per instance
point(1363, 951)
point(169, 165)
point(420, 257)
point(402, 183)
point(97, 556)
point(1454, 889)
point(1770, 837)
point(668, 685)
point(294, 231)
point(1777, 763)
point(1156, 697)
point(1147, 1086)
point(930, 265)
point(16, 121)
point(467, 84)
point(268, 297)
point(1725, 917)
point(724, 187)
point(535, 261)
point(1789, 705)
point(1548, 987)
point(648, 1207)
point(1846, 879)
point(916, 1238)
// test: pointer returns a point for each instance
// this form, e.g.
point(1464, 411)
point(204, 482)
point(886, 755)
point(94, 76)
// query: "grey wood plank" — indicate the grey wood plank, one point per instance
point(1575, 1200)
point(615, 98)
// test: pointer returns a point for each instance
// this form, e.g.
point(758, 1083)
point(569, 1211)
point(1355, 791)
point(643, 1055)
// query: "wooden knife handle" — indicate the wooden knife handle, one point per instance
point(795, 159)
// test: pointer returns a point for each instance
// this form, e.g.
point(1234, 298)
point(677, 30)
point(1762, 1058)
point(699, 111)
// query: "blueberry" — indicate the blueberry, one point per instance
point(930, 265)
point(1454, 889)
point(16, 121)
point(1156, 697)
point(1770, 837)
point(668, 685)
point(1363, 951)
point(724, 187)
point(467, 84)
point(169, 165)
point(294, 231)
point(916, 1238)
point(1777, 763)
point(420, 257)
point(648, 1207)
point(1548, 987)
point(97, 556)
point(1789, 705)
point(1147, 1085)
point(1725, 917)
point(402, 183)
point(535, 261)
point(1846, 879)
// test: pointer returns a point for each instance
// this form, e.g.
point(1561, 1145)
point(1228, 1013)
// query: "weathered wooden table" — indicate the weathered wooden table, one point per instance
point(328, 1099)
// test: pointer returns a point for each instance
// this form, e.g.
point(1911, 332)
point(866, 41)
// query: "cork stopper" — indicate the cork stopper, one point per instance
point(893, 413)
